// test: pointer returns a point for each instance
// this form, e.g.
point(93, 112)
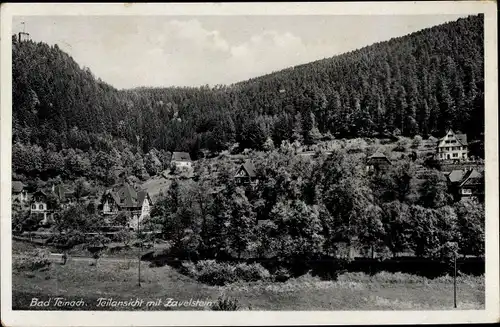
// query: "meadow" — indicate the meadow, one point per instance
point(118, 279)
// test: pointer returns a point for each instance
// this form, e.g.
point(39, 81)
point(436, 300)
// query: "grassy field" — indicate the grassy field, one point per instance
point(352, 291)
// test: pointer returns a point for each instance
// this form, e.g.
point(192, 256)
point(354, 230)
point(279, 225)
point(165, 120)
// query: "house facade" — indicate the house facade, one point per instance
point(453, 146)
point(466, 183)
point(181, 160)
point(125, 198)
point(246, 174)
point(377, 162)
point(40, 206)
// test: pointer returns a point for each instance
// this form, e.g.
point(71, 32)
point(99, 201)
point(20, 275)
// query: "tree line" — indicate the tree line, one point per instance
point(303, 208)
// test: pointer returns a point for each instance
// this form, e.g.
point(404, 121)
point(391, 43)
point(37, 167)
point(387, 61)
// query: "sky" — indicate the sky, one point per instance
point(161, 51)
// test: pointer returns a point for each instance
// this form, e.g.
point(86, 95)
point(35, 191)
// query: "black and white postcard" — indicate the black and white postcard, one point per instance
point(258, 163)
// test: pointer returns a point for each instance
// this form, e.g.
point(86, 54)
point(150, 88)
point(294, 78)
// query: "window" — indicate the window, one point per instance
point(455, 155)
point(466, 191)
point(33, 206)
point(40, 206)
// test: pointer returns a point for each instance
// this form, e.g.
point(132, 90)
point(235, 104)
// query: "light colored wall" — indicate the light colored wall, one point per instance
point(454, 149)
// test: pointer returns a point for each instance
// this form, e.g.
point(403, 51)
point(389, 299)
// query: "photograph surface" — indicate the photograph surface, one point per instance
point(208, 161)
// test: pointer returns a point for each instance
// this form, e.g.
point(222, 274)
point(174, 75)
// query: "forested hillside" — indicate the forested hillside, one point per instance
point(68, 123)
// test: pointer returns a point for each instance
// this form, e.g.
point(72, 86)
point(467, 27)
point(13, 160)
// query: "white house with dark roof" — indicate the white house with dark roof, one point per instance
point(181, 160)
point(40, 206)
point(453, 146)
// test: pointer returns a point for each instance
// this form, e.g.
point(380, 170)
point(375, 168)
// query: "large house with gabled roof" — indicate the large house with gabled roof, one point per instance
point(453, 146)
point(125, 198)
point(246, 174)
point(466, 183)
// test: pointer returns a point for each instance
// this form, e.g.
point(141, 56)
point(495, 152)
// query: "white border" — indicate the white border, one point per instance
point(98, 318)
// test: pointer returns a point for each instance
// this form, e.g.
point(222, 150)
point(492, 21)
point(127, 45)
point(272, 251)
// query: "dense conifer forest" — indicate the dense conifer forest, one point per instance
point(69, 123)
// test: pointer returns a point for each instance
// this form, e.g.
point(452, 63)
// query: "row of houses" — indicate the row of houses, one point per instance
point(462, 183)
point(137, 202)
point(119, 198)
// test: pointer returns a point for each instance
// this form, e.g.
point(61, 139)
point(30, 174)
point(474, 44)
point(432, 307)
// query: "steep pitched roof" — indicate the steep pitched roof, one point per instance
point(181, 156)
point(456, 175)
point(126, 196)
point(39, 192)
point(141, 195)
point(462, 138)
point(17, 186)
point(472, 177)
point(378, 156)
point(62, 192)
point(249, 168)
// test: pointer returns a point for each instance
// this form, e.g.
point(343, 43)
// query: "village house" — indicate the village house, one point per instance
point(40, 206)
point(125, 198)
point(181, 160)
point(19, 193)
point(66, 198)
point(246, 174)
point(466, 183)
point(453, 146)
point(377, 162)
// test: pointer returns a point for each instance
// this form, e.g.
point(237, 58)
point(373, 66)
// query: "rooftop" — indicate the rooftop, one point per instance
point(181, 156)
point(17, 186)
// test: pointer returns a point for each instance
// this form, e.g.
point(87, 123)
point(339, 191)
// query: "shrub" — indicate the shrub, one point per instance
point(417, 141)
point(281, 275)
point(31, 261)
point(402, 145)
point(226, 304)
point(189, 268)
point(251, 272)
point(214, 273)
point(356, 146)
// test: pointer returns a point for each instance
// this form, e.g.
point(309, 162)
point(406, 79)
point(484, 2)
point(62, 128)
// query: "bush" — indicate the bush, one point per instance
point(226, 304)
point(188, 268)
point(251, 272)
point(417, 141)
point(31, 261)
point(402, 145)
point(356, 146)
point(281, 275)
point(220, 273)
point(214, 273)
